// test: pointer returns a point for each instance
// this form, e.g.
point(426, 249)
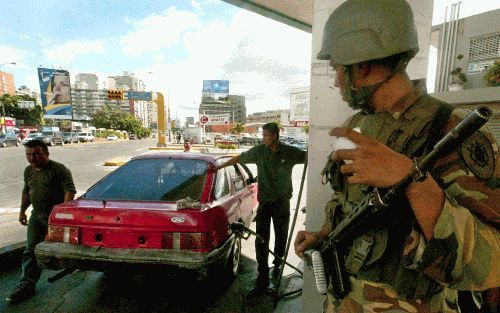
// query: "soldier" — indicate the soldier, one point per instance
point(442, 235)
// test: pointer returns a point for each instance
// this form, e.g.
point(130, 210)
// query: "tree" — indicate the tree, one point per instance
point(114, 118)
point(32, 117)
point(306, 128)
point(237, 129)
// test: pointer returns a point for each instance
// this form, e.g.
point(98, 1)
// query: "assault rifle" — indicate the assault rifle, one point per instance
point(377, 201)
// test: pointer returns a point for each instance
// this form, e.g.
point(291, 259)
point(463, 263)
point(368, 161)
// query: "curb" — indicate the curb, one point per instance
point(11, 255)
point(116, 162)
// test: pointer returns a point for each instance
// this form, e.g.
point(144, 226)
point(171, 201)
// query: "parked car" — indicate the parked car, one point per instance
point(132, 137)
point(86, 137)
point(30, 137)
point(47, 137)
point(168, 211)
point(112, 138)
point(58, 139)
point(9, 139)
point(70, 137)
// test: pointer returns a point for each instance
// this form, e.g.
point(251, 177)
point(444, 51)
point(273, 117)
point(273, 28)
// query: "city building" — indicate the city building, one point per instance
point(7, 84)
point(215, 104)
point(90, 80)
point(138, 108)
point(25, 91)
point(469, 46)
point(281, 115)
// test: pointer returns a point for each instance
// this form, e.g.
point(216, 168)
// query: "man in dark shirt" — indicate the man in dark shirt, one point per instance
point(46, 183)
point(274, 162)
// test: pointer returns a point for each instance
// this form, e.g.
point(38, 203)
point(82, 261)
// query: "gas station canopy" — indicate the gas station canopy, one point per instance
point(295, 13)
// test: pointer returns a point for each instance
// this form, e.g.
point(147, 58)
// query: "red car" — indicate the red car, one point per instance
point(167, 211)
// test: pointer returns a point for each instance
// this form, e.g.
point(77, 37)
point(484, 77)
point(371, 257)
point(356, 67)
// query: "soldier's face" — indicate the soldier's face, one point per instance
point(339, 77)
point(37, 157)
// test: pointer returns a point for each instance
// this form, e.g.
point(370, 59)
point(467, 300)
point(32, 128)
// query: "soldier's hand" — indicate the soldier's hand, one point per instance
point(23, 219)
point(304, 241)
point(373, 163)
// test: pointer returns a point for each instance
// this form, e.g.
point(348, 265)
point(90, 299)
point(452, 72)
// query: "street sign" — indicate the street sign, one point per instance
point(139, 95)
point(26, 104)
point(204, 119)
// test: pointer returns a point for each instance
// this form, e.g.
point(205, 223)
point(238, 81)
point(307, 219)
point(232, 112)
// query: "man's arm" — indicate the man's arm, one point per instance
point(231, 161)
point(68, 196)
point(25, 203)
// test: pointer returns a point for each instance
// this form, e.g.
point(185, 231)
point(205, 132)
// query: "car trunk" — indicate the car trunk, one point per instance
point(143, 225)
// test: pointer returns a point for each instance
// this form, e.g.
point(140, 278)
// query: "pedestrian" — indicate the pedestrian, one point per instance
point(46, 183)
point(274, 162)
point(187, 145)
point(442, 234)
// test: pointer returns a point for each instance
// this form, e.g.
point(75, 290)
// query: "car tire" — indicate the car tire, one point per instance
point(51, 143)
point(4, 145)
point(233, 262)
point(17, 144)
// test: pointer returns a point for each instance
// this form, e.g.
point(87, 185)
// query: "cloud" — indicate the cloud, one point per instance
point(263, 63)
point(67, 52)
point(156, 32)
point(10, 54)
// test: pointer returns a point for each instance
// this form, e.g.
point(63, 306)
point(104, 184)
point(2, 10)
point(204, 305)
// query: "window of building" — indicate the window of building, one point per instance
point(484, 47)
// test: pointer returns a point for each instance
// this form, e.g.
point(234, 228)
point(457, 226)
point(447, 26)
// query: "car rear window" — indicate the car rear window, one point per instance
point(152, 180)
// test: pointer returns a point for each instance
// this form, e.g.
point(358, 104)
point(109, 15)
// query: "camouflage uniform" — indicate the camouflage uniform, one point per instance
point(403, 272)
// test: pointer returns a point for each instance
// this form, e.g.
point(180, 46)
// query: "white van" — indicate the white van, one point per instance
point(85, 137)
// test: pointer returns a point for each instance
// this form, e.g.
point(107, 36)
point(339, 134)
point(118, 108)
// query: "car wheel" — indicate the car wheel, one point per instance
point(4, 145)
point(233, 262)
point(17, 143)
point(51, 143)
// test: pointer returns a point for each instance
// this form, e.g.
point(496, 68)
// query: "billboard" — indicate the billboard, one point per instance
point(216, 86)
point(299, 105)
point(55, 91)
point(215, 119)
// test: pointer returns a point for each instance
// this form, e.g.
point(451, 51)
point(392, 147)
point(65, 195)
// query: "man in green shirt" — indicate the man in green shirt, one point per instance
point(274, 162)
point(46, 183)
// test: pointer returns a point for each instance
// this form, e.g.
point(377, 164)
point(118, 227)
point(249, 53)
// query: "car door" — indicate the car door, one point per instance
point(243, 192)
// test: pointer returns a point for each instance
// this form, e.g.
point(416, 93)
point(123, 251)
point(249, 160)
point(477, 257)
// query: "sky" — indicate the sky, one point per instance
point(171, 45)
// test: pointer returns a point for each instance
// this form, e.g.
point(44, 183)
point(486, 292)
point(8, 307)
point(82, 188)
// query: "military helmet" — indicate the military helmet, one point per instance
point(363, 30)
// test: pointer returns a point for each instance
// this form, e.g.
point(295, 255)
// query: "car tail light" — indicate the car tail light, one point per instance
point(200, 242)
point(63, 234)
point(196, 241)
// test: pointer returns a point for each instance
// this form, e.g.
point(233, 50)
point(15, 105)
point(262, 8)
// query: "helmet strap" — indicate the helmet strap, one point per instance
point(358, 98)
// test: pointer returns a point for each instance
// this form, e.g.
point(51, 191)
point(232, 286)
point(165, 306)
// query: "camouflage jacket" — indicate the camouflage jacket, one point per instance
point(464, 251)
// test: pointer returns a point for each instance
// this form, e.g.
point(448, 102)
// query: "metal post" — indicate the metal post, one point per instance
point(283, 261)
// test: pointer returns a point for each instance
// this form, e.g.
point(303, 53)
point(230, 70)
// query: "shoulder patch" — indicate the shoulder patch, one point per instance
point(477, 153)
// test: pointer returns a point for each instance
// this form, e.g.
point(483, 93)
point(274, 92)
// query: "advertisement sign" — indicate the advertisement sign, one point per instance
point(55, 91)
point(216, 86)
point(300, 123)
point(299, 105)
point(215, 119)
point(140, 95)
point(479, 67)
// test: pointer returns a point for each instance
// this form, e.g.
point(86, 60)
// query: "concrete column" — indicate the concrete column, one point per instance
point(327, 110)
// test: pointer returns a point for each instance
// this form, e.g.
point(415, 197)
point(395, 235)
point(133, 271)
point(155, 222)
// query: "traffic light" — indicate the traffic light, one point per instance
point(115, 94)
